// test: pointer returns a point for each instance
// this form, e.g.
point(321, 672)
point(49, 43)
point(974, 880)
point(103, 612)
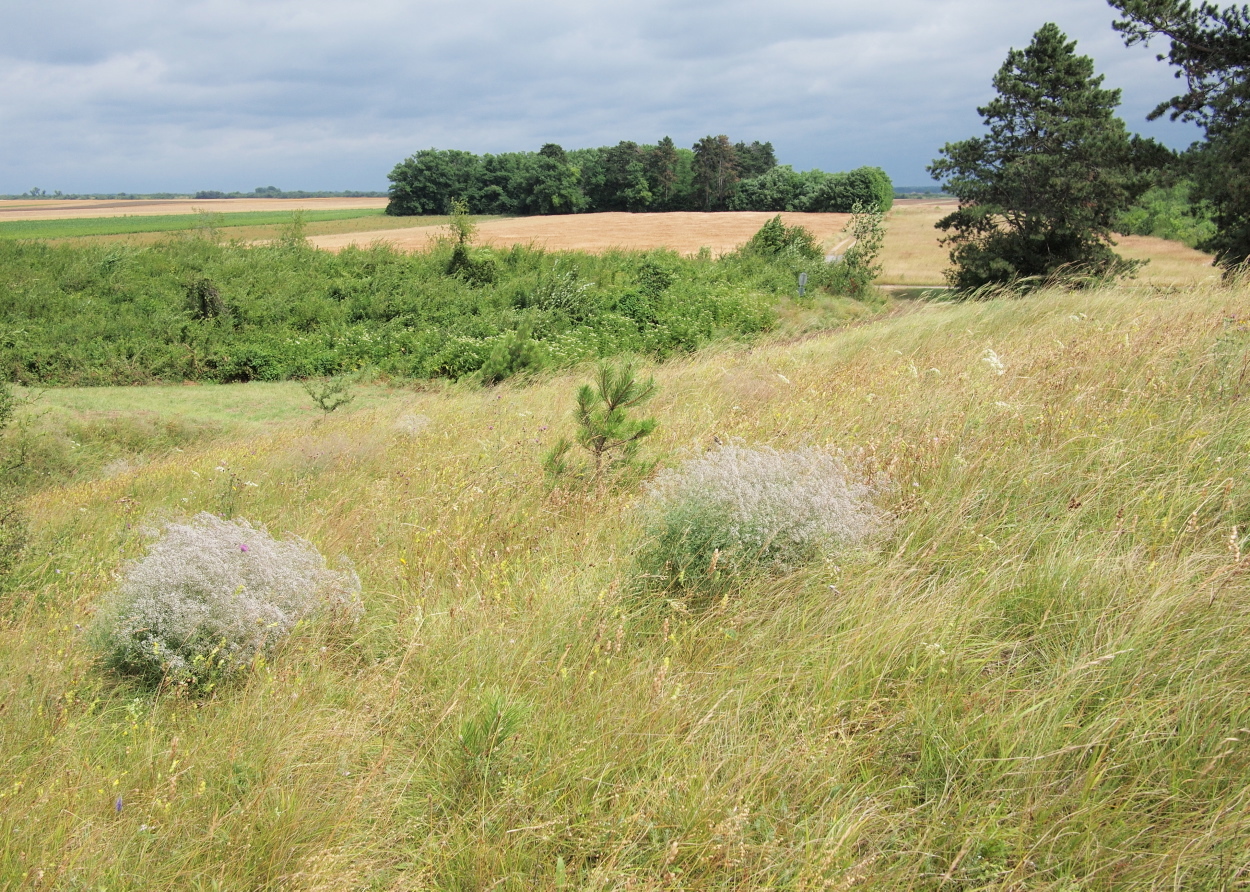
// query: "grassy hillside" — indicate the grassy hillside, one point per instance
point(1033, 675)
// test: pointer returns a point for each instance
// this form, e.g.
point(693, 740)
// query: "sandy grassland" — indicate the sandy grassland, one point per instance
point(1032, 675)
point(51, 209)
point(683, 232)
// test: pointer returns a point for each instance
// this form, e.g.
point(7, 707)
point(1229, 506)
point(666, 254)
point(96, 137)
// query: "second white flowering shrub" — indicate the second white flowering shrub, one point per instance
point(211, 596)
point(735, 511)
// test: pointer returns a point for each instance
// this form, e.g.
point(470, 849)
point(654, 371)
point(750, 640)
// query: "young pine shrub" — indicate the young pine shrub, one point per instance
point(734, 512)
point(606, 431)
point(211, 597)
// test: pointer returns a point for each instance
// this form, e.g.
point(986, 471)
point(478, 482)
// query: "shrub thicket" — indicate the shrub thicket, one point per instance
point(1169, 212)
point(194, 309)
point(734, 512)
point(211, 597)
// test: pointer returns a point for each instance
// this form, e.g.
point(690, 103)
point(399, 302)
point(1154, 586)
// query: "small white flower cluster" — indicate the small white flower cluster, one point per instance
point(734, 509)
point(211, 595)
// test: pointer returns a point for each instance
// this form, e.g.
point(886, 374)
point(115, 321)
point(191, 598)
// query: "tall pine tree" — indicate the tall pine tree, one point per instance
point(1210, 46)
point(1039, 192)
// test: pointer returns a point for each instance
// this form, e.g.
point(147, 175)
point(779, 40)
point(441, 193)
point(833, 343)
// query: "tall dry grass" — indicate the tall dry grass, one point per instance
point(1033, 676)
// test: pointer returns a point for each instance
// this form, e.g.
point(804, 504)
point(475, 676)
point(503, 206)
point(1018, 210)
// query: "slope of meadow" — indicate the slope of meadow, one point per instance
point(1034, 675)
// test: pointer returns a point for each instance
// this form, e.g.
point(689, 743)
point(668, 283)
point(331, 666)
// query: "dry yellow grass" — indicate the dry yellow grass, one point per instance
point(1033, 679)
point(912, 255)
point(683, 232)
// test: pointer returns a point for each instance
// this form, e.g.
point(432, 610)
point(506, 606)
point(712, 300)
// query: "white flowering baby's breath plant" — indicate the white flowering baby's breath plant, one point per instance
point(735, 510)
point(211, 596)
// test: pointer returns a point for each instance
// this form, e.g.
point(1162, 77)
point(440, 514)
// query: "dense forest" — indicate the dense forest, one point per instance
point(714, 175)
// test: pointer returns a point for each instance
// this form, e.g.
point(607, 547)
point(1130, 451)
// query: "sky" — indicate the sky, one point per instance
point(184, 95)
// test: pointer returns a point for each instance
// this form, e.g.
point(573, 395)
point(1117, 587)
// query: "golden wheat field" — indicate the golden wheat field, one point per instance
point(681, 231)
point(912, 256)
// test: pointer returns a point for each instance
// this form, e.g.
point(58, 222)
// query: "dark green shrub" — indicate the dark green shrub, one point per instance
point(204, 300)
point(775, 237)
point(518, 352)
point(1170, 213)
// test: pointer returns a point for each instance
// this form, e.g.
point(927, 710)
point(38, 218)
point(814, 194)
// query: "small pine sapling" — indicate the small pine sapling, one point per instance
point(605, 429)
point(463, 264)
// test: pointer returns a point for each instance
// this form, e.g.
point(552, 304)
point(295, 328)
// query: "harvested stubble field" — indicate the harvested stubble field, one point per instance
point(912, 255)
point(683, 232)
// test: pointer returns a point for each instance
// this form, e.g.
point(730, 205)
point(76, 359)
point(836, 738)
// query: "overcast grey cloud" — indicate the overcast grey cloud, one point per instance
point(179, 95)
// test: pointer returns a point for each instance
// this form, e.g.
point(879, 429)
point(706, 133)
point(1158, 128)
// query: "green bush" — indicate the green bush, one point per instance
point(197, 310)
point(517, 352)
point(775, 237)
point(1170, 213)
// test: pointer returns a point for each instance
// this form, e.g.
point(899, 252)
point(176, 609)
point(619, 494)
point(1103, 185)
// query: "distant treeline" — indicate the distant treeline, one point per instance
point(275, 192)
point(714, 175)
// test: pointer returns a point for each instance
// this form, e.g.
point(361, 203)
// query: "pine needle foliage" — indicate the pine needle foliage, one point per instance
point(329, 394)
point(605, 428)
point(1040, 192)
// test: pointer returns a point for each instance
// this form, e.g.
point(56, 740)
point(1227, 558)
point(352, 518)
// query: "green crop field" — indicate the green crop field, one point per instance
point(79, 227)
